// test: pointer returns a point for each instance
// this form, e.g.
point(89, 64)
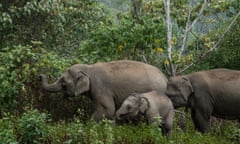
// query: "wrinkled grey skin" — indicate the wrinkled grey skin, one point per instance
point(108, 84)
point(207, 93)
point(151, 105)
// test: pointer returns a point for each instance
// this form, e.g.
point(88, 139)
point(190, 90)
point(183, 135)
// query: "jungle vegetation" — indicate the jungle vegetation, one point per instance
point(48, 36)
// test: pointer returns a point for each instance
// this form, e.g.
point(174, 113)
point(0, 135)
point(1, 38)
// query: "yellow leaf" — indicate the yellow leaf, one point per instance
point(173, 41)
point(166, 62)
point(206, 39)
point(120, 47)
point(159, 50)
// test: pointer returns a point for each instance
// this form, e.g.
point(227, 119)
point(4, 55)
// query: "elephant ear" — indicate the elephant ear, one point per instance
point(82, 83)
point(143, 105)
point(186, 88)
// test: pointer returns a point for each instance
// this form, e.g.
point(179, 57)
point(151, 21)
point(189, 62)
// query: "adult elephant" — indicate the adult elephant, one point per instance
point(212, 92)
point(108, 84)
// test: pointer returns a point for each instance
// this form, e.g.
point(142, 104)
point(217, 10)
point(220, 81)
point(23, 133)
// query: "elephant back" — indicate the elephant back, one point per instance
point(125, 77)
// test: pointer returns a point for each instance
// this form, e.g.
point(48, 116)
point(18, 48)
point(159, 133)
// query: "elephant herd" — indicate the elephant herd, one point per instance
point(124, 90)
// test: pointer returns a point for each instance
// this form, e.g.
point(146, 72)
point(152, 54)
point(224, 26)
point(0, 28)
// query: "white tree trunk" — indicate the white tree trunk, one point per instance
point(169, 36)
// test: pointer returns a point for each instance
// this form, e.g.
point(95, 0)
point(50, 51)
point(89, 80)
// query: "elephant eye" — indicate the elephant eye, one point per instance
point(129, 107)
point(79, 77)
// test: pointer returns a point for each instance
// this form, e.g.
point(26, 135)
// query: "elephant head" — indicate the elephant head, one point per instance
point(73, 82)
point(178, 90)
point(132, 106)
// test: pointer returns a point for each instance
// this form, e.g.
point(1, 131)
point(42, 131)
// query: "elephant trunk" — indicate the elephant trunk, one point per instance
point(118, 115)
point(122, 114)
point(54, 87)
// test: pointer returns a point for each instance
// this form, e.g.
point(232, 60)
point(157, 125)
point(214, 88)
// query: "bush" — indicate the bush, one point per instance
point(19, 67)
point(31, 127)
point(34, 127)
point(59, 24)
point(235, 136)
point(15, 69)
point(7, 133)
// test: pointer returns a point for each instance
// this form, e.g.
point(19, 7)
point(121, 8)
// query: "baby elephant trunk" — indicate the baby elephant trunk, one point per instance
point(119, 115)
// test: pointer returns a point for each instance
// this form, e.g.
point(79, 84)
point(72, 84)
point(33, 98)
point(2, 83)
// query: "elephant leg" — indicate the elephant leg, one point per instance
point(163, 129)
point(98, 113)
point(169, 123)
point(161, 124)
point(103, 109)
point(201, 121)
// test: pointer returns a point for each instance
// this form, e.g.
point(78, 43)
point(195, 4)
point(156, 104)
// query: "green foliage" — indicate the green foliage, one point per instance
point(32, 128)
point(14, 69)
point(235, 136)
point(60, 25)
point(215, 17)
point(47, 36)
point(228, 53)
point(230, 131)
point(138, 134)
point(23, 18)
point(19, 67)
point(127, 38)
point(99, 133)
point(73, 132)
point(7, 133)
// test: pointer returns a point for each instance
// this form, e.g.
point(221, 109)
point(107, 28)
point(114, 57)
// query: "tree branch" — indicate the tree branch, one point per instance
point(222, 36)
point(199, 15)
point(216, 46)
point(186, 31)
point(189, 27)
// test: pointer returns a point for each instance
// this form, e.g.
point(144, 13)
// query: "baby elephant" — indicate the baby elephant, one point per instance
point(151, 105)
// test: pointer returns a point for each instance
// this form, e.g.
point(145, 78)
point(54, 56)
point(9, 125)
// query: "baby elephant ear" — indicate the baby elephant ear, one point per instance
point(134, 94)
point(144, 105)
point(82, 83)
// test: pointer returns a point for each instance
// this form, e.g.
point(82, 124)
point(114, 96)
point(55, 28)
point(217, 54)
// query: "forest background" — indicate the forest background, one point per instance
point(48, 36)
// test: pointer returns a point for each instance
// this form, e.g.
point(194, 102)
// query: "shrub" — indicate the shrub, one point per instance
point(31, 127)
point(7, 133)
point(59, 24)
point(98, 133)
point(235, 136)
point(14, 71)
point(19, 67)
point(74, 132)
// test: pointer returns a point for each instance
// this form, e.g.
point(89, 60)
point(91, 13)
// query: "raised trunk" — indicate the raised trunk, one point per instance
point(54, 87)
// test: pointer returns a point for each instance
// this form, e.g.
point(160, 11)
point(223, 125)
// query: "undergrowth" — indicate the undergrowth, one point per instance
point(36, 127)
